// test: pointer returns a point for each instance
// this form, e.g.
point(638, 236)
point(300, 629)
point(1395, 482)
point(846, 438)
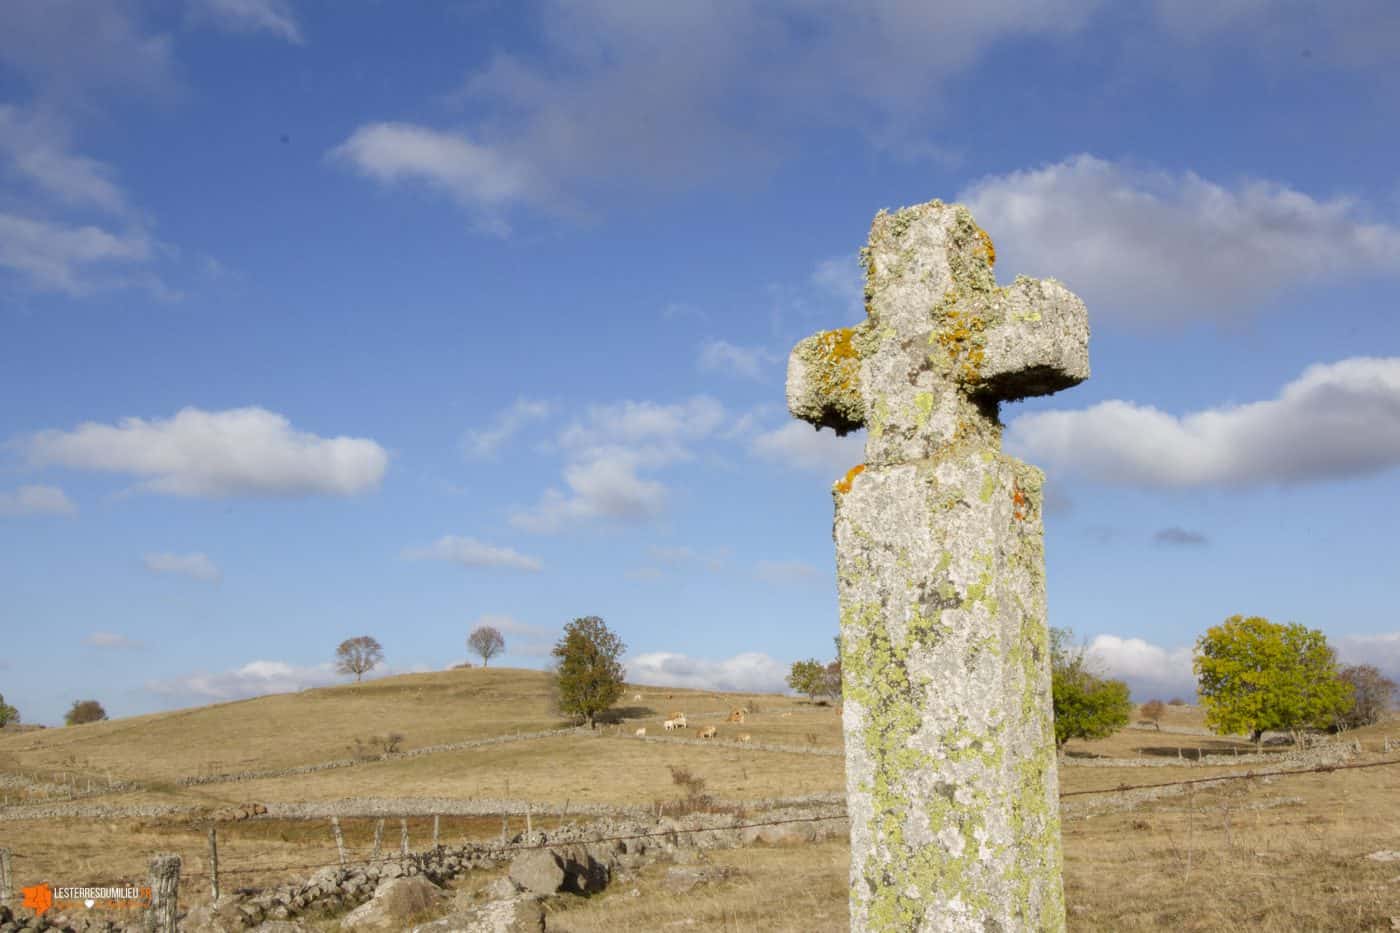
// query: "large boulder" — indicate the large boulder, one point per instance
point(539, 871)
point(511, 915)
point(396, 903)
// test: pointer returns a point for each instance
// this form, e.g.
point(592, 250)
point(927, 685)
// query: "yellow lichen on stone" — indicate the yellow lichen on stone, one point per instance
point(843, 485)
point(987, 246)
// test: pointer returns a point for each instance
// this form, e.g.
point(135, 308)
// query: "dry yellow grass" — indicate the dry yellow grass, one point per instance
point(1283, 854)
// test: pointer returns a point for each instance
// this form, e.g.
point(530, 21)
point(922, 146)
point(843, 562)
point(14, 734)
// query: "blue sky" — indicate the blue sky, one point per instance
point(321, 320)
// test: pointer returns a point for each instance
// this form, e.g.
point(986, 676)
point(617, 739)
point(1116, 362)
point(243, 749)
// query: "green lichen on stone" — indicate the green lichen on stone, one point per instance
point(923, 406)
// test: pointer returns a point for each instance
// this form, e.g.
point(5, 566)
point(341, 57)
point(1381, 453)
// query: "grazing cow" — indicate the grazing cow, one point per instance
point(736, 715)
point(670, 725)
point(785, 715)
point(642, 732)
point(636, 698)
point(679, 720)
point(745, 738)
point(709, 732)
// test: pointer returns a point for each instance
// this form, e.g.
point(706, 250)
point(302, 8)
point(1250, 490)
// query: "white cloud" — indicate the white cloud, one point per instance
point(195, 566)
point(486, 443)
point(842, 278)
point(470, 552)
point(604, 487)
point(698, 91)
point(274, 16)
point(243, 451)
point(111, 640)
point(476, 176)
point(799, 446)
point(752, 671)
point(786, 571)
point(72, 48)
point(72, 260)
point(256, 678)
point(1150, 670)
point(722, 356)
point(1356, 35)
point(607, 450)
point(1156, 246)
point(38, 150)
point(1336, 420)
point(1380, 650)
point(37, 500)
point(523, 639)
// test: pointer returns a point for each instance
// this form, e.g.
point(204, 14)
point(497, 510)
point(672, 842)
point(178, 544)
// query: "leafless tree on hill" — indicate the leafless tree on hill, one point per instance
point(486, 641)
point(358, 656)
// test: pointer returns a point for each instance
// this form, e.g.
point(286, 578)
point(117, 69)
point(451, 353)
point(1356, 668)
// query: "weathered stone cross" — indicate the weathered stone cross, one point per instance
point(950, 754)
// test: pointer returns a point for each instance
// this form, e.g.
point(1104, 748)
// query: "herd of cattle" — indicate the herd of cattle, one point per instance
point(677, 720)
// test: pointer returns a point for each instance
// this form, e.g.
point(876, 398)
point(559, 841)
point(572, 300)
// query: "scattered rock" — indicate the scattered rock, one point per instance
point(539, 872)
point(679, 879)
point(395, 903)
point(511, 915)
point(1385, 855)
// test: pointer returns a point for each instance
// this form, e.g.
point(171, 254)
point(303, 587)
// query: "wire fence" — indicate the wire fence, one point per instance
point(243, 867)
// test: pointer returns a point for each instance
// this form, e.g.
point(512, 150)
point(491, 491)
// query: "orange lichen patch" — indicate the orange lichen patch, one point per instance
point(1020, 505)
point(844, 485)
point(987, 246)
point(961, 339)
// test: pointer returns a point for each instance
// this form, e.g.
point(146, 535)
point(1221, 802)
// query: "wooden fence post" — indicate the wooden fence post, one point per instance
point(505, 823)
point(339, 839)
point(165, 892)
point(435, 830)
point(7, 888)
point(403, 838)
point(214, 863)
point(378, 838)
point(529, 827)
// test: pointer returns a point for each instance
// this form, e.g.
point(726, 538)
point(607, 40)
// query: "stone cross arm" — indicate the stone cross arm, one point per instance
point(942, 343)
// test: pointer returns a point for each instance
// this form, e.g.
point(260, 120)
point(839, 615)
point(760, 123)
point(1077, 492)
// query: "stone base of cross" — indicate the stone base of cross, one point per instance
point(950, 754)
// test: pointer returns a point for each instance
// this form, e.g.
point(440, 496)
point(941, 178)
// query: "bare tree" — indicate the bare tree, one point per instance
point(358, 655)
point(1154, 710)
point(486, 641)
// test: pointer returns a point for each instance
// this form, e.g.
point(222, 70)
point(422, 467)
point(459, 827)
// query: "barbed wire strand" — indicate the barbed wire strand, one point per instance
point(494, 849)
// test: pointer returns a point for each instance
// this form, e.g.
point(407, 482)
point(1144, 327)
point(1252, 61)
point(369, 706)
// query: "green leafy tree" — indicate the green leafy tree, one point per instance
point(815, 679)
point(1255, 675)
point(84, 711)
point(8, 713)
point(1372, 693)
point(487, 641)
point(1087, 705)
point(588, 675)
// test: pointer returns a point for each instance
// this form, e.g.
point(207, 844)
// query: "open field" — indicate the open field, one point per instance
point(1283, 853)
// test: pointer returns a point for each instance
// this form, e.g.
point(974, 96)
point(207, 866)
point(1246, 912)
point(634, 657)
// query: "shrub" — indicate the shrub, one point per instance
point(1372, 694)
point(84, 711)
point(8, 714)
point(1176, 701)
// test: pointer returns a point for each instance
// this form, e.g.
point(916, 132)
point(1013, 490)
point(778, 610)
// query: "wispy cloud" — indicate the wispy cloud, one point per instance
point(608, 450)
point(488, 441)
point(470, 552)
point(239, 452)
point(786, 571)
point(195, 566)
point(1336, 420)
point(111, 640)
point(270, 16)
point(256, 678)
point(798, 446)
point(724, 357)
point(1179, 537)
point(37, 500)
point(1150, 670)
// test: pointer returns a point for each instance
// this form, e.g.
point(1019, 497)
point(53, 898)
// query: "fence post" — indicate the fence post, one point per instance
point(403, 838)
point(378, 838)
point(7, 890)
point(529, 826)
point(505, 823)
point(563, 814)
point(165, 891)
point(214, 863)
point(435, 830)
point(339, 839)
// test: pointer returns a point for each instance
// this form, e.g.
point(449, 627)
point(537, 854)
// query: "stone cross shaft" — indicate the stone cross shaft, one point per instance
point(950, 754)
